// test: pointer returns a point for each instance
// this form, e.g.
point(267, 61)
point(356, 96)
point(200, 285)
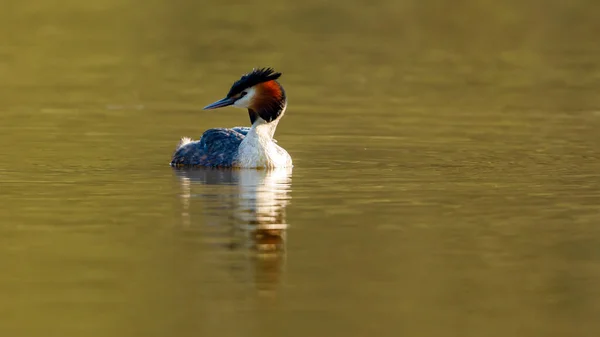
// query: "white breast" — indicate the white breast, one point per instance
point(258, 150)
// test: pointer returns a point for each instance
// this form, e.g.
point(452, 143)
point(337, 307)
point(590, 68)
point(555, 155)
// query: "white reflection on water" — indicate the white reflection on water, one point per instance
point(249, 205)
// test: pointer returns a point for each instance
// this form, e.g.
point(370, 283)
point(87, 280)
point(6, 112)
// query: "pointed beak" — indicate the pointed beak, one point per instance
point(220, 103)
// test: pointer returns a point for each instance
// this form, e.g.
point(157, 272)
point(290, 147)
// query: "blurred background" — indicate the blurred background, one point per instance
point(446, 179)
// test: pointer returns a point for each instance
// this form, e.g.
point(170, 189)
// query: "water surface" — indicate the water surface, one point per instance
point(446, 179)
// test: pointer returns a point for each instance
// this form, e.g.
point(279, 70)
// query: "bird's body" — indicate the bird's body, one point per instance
point(242, 147)
point(216, 148)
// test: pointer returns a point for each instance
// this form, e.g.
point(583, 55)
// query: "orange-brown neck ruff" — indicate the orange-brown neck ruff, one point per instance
point(270, 89)
point(268, 102)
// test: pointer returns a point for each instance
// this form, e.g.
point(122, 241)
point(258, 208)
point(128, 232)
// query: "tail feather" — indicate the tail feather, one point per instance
point(184, 141)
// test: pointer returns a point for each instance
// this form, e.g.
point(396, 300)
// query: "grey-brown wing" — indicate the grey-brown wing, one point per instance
point(244, 130)
point(241, 129)
point(216, 148)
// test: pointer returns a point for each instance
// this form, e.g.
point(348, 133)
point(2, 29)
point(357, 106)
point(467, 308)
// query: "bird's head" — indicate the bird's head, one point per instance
point(257, 91)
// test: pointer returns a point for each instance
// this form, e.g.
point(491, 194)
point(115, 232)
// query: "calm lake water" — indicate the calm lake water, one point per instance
point(446, 179)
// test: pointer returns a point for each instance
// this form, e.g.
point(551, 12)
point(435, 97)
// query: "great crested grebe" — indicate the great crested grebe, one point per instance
point(242, 147)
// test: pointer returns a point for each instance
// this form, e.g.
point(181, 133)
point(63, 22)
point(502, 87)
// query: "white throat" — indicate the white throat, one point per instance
point(259, 150)
point(263, 130)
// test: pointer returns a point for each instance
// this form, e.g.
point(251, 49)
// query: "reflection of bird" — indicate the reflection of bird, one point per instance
point(258, 207)
point(255, 212)
point(244, 147)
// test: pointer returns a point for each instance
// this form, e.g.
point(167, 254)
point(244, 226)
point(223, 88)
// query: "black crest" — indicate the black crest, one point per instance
point(251, 79)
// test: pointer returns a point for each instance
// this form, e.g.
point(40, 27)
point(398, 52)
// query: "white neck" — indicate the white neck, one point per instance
point(258, 150)
point(263, 130)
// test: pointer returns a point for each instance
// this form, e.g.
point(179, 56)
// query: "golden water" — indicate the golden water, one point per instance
point(446, 179)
